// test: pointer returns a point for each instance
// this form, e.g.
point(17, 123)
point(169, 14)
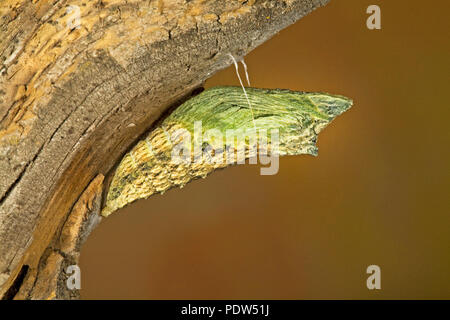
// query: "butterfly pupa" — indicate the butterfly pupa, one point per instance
point(198, 129)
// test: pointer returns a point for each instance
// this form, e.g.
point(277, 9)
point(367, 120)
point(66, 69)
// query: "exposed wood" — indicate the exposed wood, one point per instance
point(77, 90)
point(48, 280)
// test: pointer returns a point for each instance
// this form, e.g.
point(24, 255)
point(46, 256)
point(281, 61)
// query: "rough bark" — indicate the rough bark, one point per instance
point(76, 93)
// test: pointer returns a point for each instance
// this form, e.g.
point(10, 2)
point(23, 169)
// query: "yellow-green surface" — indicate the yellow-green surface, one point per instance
point(248, 117)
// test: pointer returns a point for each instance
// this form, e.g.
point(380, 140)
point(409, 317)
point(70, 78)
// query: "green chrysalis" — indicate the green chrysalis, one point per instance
point(195, 139)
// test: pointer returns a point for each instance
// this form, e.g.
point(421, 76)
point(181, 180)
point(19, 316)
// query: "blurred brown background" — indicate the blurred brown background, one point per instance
point(378, 193)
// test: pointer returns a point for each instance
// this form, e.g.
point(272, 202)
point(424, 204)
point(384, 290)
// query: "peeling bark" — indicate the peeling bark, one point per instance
point(77, 91)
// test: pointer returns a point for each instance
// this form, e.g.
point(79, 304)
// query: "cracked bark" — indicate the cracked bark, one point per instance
point(77, 90)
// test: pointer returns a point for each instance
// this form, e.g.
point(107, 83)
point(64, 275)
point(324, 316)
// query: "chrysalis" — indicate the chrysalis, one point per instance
point(217, 128)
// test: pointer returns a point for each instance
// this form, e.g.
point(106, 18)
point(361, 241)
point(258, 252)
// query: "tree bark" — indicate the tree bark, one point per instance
point(80, 81)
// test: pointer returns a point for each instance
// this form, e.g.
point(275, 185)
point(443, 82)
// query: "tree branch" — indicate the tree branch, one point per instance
point(79, 83)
